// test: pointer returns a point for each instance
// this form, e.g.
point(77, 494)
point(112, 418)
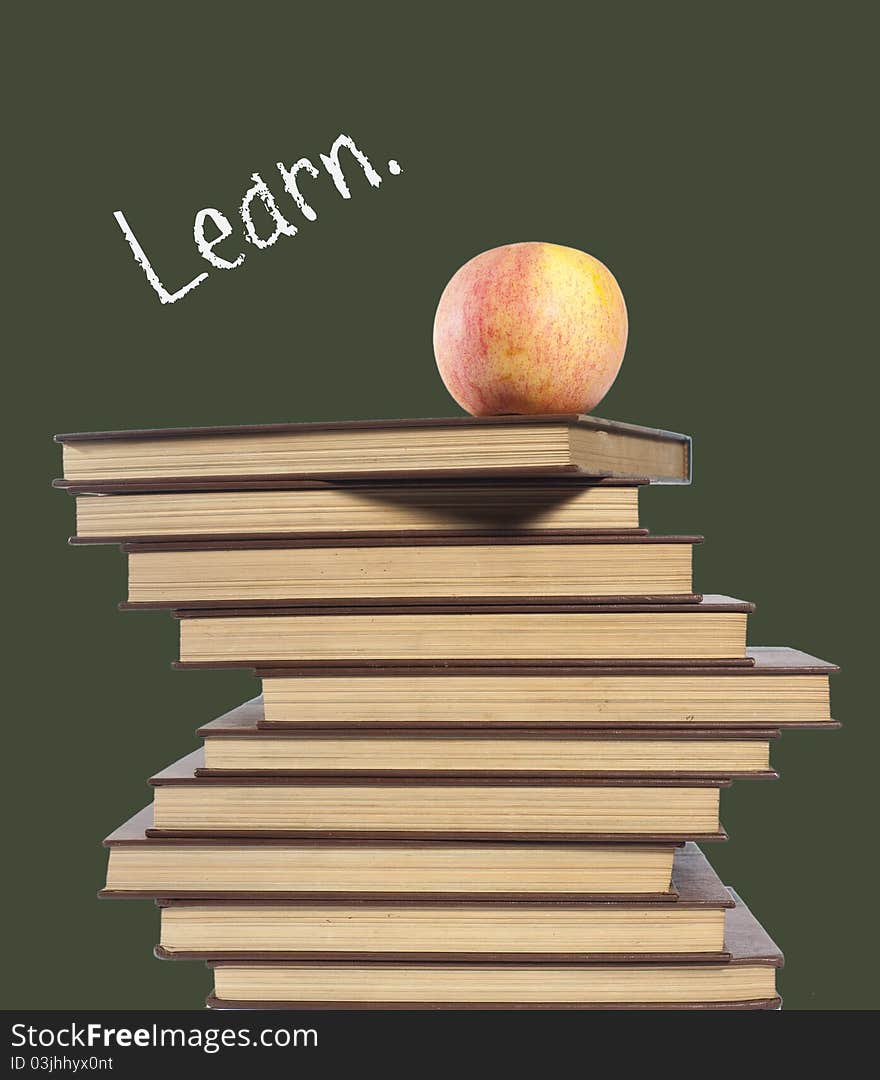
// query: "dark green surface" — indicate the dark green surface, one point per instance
point(713, 158)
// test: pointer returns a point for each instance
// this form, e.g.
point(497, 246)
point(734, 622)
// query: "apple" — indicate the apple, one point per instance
point(530, 328)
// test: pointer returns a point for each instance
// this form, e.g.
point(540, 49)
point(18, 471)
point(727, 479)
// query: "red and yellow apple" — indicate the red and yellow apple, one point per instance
point(530, 328)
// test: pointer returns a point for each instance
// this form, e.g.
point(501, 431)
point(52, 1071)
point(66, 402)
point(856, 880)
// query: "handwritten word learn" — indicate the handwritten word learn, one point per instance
point(260, 190)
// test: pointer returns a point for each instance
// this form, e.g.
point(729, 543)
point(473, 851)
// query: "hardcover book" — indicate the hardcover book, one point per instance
point(313, 508)
point(576, 566)
point(712, 629)
point(143, 865)
point(522, 446)
point(775, 687)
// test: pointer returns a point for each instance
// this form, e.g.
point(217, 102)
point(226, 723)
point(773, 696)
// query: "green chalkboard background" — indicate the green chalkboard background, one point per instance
point(712, 156)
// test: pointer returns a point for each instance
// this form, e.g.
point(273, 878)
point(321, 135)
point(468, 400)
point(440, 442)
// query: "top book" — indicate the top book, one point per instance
point(504, 446)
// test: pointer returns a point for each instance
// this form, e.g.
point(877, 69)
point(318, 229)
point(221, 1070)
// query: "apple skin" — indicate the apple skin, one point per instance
point(528, 329)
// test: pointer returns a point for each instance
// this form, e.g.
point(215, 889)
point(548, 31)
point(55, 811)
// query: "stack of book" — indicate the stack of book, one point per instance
point(495, 715)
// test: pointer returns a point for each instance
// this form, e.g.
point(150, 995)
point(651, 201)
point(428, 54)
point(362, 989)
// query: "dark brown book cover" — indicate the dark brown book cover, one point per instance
point(137, 832)
point(406, 539)
point(694, 880)
point(704, 604)
point(746, 942)
point(363, 538)
point(185, 771)
point(167, 485)
point(578, 419)
point(213, 1002)
point(246, 721)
